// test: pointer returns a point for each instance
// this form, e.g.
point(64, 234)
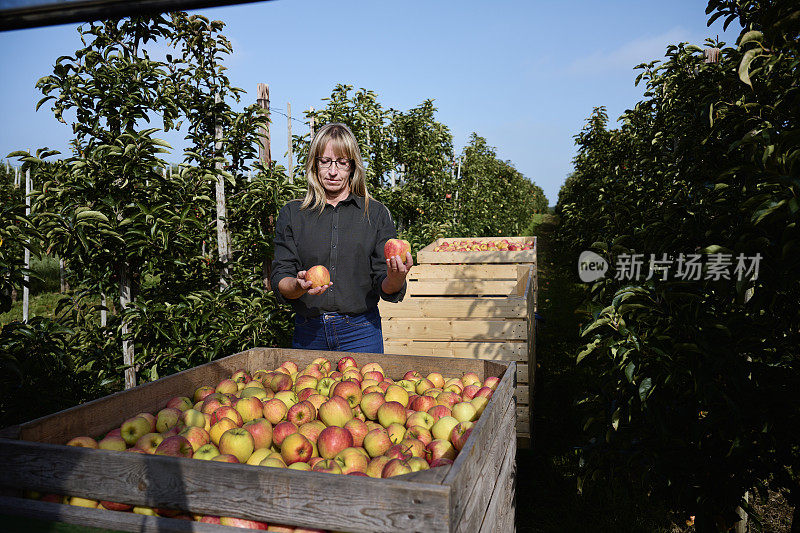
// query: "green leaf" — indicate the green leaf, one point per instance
point(744, 67)
point(92, 215)
point(644, 388)
point(752, 35)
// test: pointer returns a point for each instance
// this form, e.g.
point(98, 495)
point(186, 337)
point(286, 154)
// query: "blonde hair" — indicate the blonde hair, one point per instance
point(344, 145)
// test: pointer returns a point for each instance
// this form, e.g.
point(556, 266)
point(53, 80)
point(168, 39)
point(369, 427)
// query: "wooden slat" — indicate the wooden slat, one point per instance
point(521, 394)
point(472, 271)
point(448, 307)
point(498, 351)
point(468, 464)
point(463, 287)
point(277, 495)
point(454, 330)
point(114, 520)
point(484, 484)
point(427, 255)
point(500, 513)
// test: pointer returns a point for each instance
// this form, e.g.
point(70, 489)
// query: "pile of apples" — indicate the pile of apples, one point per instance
point(332, 419)
point(502, 245)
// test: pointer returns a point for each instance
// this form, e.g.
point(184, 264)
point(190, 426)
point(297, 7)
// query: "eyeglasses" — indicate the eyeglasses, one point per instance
point(326, 162)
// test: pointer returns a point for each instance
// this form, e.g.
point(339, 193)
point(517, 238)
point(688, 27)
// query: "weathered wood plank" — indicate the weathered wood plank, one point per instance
point(442, 307)
point(484, 486)
point(498, 351)
point(458, 329)
point(471, 271)
point(499, 516)
point(468, 464)
point(117, 521)
point(465, 287)
point(276, 495)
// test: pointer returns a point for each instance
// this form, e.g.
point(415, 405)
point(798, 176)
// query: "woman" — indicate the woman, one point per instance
point(339, 226)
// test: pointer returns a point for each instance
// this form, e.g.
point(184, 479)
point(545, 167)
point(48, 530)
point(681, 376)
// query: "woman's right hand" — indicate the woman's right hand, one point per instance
point(305, 285)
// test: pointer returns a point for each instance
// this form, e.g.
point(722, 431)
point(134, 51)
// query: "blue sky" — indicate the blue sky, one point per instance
point(523, 74)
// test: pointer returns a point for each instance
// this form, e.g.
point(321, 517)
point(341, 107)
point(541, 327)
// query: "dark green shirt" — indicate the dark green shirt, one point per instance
point(343, 240)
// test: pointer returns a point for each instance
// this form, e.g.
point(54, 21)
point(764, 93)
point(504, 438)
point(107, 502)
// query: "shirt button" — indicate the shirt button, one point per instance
point(334, 226)
point(334, 245)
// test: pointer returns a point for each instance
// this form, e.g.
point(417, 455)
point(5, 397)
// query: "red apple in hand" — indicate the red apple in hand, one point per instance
point(318, 276)
point(396, 247)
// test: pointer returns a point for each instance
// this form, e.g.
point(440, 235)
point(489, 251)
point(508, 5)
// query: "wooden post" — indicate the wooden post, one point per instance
point(128, 354)
point(312, 122)
point(264, 151)
point(16, 178)
point(62, 272)
point(223, 235)
point(26, 293)
point(103, 312)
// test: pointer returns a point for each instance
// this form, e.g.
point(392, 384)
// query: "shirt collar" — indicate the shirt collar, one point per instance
point(355, 199)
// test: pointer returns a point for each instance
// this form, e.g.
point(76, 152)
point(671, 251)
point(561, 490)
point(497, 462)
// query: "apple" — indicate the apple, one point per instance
point(370, 403)
point(313, 370)
point(256, 392)
point(396, 247)
point(250, 408)
point(280, 382)
point(396, 467)
point(332, 440)
point(484, 392)
point(398, 451)
point(432, 392)
point(345, 363)
point(112, 443)
point(373, 375)
point(275, 410)
point(413, 445)
point(219, 428)
point(392, 412)
point(281, 431)
point(448, 399)
point(328, 466)
point(201, 393)
point(312, 430)
point(349, 390)
point(423, 385)
point(243, 523)
point(296, 448)
point(261, 431)
point(352, 460)
point(82, 502)
point(258, 455)
point(422, 403)
point(421, 433)
point(300, 466)
point(182, 403)
point(460, 433)
point(176, 446)
point(420, 418)
point(227, 411)
point(206, 452)
point(335, 412)
point(193, 417)
point(372, 367)
point(116, 506)
point(412, 375)
point(397, 432)
point(396, 393)
point(408, 385)
point(470, 391)
point(470, 378)
point(465, 412)
point(492, 382)
point(167, 418)
point(358, 429)
point(198, 437)
point(317, 400)
point(324, 386)
point(418, 463)
point(437, 379)
point(376, 466)
point(135, 427)
point(480, 403)
point(149, 442)
point(305, 382)
point(288, 397)
point(273, 462)
point(227, 386)
point(441, 448)
point(116, 432)
point(306, 393)
point(442, 428)
point(377, 442)
point(318, 275)
point(225, 458)
point(438, 411)
point(300, 413)
point(291, 366)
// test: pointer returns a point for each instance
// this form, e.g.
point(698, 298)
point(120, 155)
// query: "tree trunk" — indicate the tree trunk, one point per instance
point(128, 355)
point(223, 233)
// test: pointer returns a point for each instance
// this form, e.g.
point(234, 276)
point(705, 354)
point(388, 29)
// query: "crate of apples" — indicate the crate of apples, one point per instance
point(327, 417)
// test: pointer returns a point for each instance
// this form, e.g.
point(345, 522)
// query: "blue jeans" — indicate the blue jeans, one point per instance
point(340, 333)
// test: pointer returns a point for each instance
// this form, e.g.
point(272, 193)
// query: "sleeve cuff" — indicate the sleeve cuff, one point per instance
point(394, 298)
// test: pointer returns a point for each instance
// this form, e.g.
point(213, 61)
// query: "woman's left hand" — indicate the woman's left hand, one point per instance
point(396, 272)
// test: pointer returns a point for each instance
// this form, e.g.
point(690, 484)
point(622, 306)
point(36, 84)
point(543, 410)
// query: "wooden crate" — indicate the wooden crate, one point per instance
point(472, 311)
point(474, 494)
point(428, 256)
